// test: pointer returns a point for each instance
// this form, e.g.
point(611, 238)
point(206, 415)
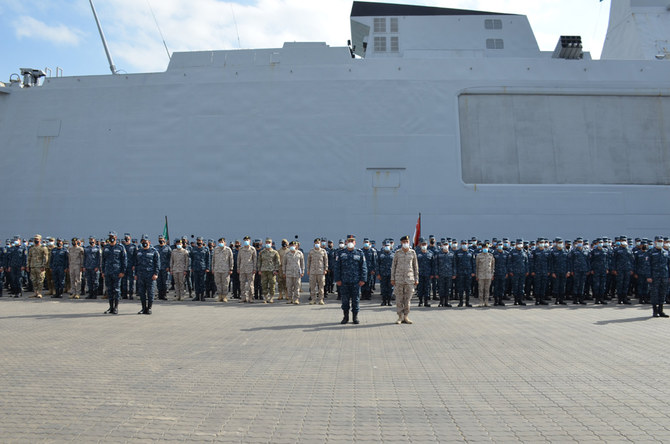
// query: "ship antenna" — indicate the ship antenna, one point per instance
point(239, 44)
point(159, 30)
point(104, 42)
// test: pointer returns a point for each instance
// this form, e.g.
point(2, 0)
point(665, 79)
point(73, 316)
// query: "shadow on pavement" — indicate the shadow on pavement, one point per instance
point(622, 321)
point(318, 327)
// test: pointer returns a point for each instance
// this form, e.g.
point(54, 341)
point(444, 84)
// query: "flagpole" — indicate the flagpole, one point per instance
point(167, 230)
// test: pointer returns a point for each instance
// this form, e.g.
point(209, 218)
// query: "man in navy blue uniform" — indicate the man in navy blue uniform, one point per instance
point(371, 262)
point(164, 251)
point(199, 268)
point(445, 272)
point(499, 274)
point(660, 275)
point(599, 271)
point(59, 263)
point(464, 264)
point(351, 272)
point(426, 262)
point(623, 268)
point(539, 270)
point(642, 272)
point(384, 263)
point(579, 266)
point(92, 261)
point(517, 267)
point(147, 267)
point(559, 267)
point(127, 282)
point(16, 261)
point(114, 265)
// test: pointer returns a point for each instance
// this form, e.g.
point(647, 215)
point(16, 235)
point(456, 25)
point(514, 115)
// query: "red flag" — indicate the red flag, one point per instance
point(417, 231)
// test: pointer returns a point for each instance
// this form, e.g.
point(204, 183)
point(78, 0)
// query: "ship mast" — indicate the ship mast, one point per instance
point(104, 41)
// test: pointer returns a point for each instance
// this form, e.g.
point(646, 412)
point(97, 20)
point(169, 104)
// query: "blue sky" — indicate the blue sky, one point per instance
point(62, 33)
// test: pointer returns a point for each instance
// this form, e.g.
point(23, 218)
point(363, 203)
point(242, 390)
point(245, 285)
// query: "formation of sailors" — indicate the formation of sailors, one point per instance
point(542, 271)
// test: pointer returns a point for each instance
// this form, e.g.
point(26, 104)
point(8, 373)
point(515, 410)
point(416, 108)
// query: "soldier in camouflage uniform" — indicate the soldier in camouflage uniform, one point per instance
point(294, 269)
point(317, 268)
point(268, 266)
point(485, 267)
point(38, 259)
point(76, 253)
point(222, 267)
point(246, 268)
point(405, 278)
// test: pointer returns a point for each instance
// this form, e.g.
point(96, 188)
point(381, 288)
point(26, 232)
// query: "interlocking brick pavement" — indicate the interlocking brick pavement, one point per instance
point(212, 372)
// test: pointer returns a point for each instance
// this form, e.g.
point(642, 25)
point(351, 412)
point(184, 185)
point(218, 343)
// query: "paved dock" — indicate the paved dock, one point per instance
point(212, 372)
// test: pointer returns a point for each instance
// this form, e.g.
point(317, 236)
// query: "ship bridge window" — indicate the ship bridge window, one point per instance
point(395, 47)
point(394, 24)
point(380, 24)
point(380, 44)
point(495, 44)
point(493, 24)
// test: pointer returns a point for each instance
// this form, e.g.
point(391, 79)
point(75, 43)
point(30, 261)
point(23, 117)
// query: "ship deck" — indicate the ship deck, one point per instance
point(209, 372)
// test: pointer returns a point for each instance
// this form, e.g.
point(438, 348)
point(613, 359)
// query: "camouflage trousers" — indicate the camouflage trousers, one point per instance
point(484, 287)
point(268, 285)
point(75, 280)
point(403, 295)
point(293, 288)
point(247, 287)
point(37, 278)
point(222, 279)
point(316, 283)
point(281, 283)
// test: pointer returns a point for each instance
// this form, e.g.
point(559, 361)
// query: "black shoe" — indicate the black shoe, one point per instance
point(345, 319)
point(660, 312)
point(562, 303)
point(420, 304)
point(468, 305)
point(603, 302)
point(460, 304)
point(115, 308)
point(516, 303)
point(427, 305)
point(144, 309)
point(627, 302)
point(655, 311)
point(582, 303)
point(149, 308)
point(448, 305)
point(522, 303)
point(356, 321)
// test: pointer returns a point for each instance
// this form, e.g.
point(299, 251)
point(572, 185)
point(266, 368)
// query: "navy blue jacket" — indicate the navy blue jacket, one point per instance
point(579, 261)
point(92, 257)
point(350, 266)
point(623, 260)
point(426, 262)
point(539, 262)
point(517, 262)
point(658, 262)
point(500, 266)
point(59, 259)
point(384, 262)
point(445, 264)
point(165, 253)
point(200, 259)
point(114, 259)
point(464, 262)
point(600, 261)
point(558, 262)
point(147, 262)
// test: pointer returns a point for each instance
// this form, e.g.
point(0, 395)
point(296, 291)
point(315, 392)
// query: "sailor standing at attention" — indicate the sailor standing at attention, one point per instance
point(351, 273)
point(147, 266)
point(404, 278)
point(114, 264)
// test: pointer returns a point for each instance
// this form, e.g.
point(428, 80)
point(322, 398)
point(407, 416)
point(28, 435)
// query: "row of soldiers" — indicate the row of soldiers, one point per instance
point(519, 269)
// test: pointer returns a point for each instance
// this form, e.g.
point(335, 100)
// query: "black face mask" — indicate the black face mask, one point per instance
point(145, 244)
point(199, 244)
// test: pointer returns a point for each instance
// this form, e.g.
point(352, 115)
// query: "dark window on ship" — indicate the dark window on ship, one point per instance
point(380, 44)
point(495, 44)
point(493, 24)
point(394, 24)
point(380, 25)
point(394, 44)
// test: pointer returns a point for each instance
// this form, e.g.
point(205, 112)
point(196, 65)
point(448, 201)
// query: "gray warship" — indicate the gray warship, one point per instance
point(454, 114)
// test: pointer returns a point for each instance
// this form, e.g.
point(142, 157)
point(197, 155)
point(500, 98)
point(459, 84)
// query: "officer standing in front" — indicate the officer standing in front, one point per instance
point(114, 265)
point(623, 270)
point(485, 268)
point(179, 265)
point(16, 260)
point(350, 274)
point(147, 266)
point(405, 278)
point(246, 267)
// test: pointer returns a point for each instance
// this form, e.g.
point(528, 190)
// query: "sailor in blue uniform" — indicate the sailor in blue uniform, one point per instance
point(199, 267)
point(114, 265)
point(558, 265)
point(599, 271)
point(579, 266)
point(426, 262)
point(371, 262)
point(384, 263)
point(539, 270)
point(642, 272)
point(464, 264)
point(446, 274)
point(165, 252)
point(499, 274)
point(350, 274)
point(59, 263)
point(16, 261)
point(127, 282)
point(623, 268)
point(517, 267)
point(660, 275)
point(92, 261)
point(147, 267)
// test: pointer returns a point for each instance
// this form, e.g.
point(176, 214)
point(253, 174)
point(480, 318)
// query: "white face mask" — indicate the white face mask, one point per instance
point(560, 246)
point(387, 248)
point(341, 245)
point(445, 248)
point(367, 245)
point(405, 246)
point(485, 250)
point(624, 244)
point(179, 247)
point(659, 244)
point(246, 243)
point(350, 245)
point(317, 246)
point(268, 245)
point(464, 247)
point(424, 247)
point(292, 248)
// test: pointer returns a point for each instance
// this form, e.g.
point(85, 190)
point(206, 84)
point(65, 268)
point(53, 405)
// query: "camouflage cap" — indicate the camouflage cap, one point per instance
point(37, 236)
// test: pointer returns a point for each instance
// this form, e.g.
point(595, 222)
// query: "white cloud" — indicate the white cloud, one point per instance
point(208, 24)
point(29, 27)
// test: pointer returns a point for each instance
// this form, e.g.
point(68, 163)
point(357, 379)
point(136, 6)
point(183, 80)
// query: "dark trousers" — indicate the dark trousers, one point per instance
point(424, 289)
point(642, 288)
point(517, 286)
point(58, 276)
point(498, 289)
point(198, 281)
point(659, 290)
point(15, 280)
point(579, 281)
point(386, 288)
point(540, 285)
point(128, 283)
point(559, 287)
point(599, 286)
point(161, 283)
point(113, 286)
point(351, 297)
point(463, 287)
point(236, 285)
point(445, 288)
point(145, 289)
point(622, 283)
point(91, 277)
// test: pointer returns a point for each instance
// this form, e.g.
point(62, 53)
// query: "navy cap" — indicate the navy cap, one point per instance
point(112, 233)
point(351, 236)
point(422, 240)
point(160, 236)
point(145, 237)
point(341, 241)
point(432, 236)
point(404, 238)
point(198, 239)
point(365, 239)
point(126, 235)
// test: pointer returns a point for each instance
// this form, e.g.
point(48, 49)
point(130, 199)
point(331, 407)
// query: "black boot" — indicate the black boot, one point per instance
point(115, 310)
point(356, 321)
point(655, 308)
point(111, 307)
point(345, 319)
point(149, 304)
point(660, 312)
point(144, 308)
